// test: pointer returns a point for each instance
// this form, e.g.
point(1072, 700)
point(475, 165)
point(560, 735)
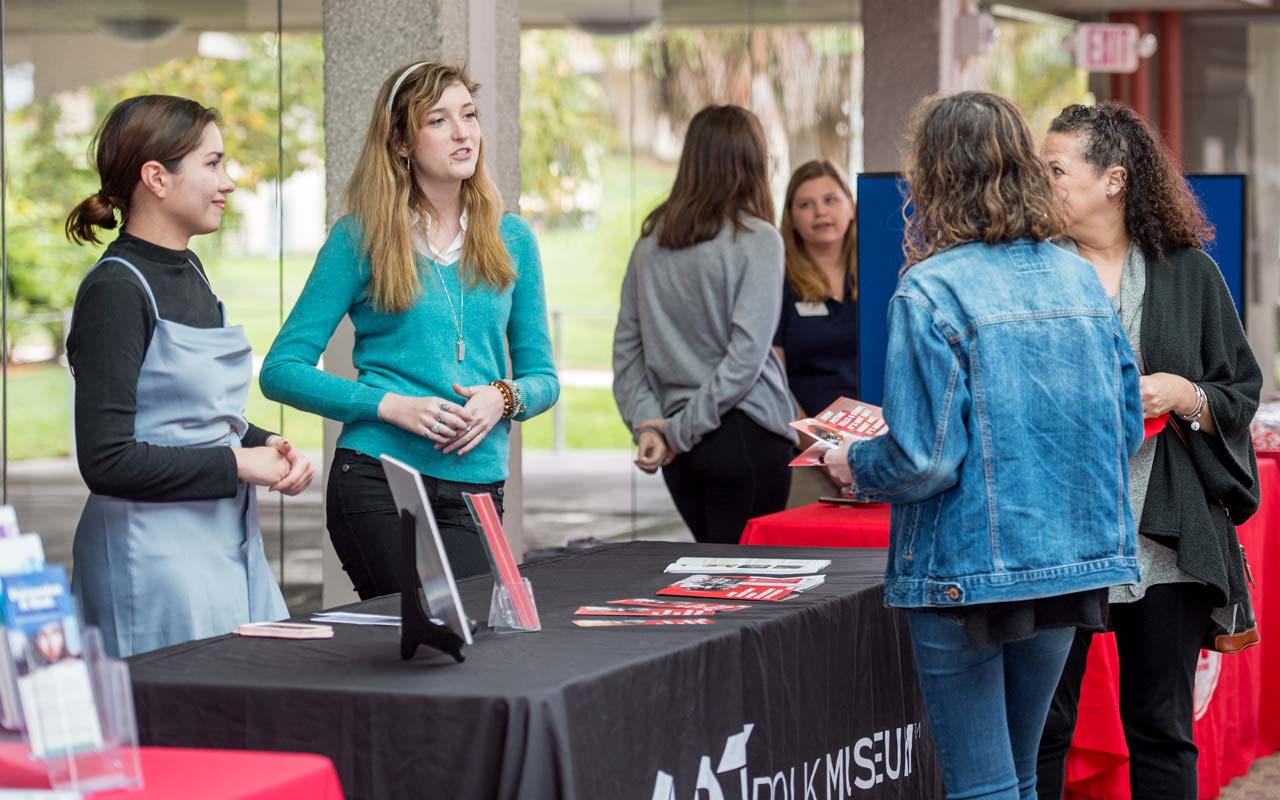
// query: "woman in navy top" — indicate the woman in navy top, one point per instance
point(817, 336)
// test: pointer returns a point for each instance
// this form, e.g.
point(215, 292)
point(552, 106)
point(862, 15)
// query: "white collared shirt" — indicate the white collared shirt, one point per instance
point(422, 241)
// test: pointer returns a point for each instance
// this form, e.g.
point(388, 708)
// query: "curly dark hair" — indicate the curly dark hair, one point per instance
point(1160, 211)
point(973, 175)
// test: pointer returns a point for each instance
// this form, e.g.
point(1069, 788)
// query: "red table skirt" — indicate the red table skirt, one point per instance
point(1238, 712)
point(172, 772)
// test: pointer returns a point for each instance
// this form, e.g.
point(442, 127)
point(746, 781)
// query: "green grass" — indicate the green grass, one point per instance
point(583, 268)
point(39, 406)
point(591, 423)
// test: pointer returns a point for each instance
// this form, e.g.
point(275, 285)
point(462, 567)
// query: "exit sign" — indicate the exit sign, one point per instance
point(1107, 47)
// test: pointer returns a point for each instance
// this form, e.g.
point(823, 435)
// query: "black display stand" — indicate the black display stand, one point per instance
point(416, 627)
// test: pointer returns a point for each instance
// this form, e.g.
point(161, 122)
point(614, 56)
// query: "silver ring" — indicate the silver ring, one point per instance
point(435, 428)
point(468, 429)
point(440, 417)
point(444, 406)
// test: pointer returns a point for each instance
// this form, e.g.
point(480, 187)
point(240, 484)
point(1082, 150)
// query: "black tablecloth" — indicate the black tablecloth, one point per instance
point(821, 690)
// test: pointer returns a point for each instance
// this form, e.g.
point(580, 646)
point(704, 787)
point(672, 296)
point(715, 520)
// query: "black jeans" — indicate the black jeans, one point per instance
point(738, 471)
point(364, 525)
point(1158, 641)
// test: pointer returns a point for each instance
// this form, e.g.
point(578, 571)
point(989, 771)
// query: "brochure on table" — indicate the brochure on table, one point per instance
point(60, 694)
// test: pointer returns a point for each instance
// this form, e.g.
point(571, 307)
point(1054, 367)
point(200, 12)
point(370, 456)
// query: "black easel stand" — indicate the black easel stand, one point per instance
point(416, 627)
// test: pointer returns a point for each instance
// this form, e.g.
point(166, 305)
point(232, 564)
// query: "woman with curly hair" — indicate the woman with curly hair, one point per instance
point(1131, 214)
point(1012, 405)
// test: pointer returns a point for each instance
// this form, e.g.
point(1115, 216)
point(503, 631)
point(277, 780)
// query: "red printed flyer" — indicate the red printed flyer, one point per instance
point(842, 420)
point(660, 603)
point(609, 623)
point(641, 611)
point(741, 587)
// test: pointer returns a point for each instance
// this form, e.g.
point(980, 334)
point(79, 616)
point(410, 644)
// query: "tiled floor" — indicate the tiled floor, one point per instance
point(1261, 783)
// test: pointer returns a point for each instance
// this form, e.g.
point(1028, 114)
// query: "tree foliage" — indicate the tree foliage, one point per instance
point(50, 169)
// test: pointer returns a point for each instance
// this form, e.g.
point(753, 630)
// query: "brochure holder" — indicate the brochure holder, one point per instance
point(503, 617)
point(416, 627)
point(88, 742)
point(511, 608)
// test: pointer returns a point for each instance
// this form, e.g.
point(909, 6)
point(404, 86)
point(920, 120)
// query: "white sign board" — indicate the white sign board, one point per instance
point(1107, 47)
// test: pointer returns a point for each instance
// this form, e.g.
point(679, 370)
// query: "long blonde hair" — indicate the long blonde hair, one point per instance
point(804, 276)
point(382, 192)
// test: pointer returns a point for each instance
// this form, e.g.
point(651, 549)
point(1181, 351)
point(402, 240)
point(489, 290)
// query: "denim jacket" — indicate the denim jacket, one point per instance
point(1012, 401)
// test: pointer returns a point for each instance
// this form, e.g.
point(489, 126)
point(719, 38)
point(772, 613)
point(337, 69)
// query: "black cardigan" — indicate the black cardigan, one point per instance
point(1200, 491)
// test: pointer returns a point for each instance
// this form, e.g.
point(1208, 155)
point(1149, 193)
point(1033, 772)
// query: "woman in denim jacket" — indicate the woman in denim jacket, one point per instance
point(1013, 408)
point(1130, 213)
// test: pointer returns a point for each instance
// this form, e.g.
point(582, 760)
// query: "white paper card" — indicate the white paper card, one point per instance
point(60, 712)
point(20, 555)
point(710, 565)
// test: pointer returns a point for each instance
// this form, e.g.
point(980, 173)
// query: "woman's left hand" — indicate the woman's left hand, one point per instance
point(484, 405)
point(1163, 392)
point(836, 461)
point(300, 470)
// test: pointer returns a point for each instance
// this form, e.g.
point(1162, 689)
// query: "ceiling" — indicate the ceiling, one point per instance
point(85, 16)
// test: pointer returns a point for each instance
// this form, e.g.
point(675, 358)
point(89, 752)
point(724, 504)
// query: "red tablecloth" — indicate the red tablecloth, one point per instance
point(172, 772)
point(1239, 712)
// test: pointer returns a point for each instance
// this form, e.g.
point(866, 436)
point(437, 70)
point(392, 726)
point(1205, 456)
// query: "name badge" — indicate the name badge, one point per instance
point(811, 309)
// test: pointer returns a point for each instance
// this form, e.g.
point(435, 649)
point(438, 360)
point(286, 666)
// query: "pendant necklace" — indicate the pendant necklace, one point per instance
point(457, 315)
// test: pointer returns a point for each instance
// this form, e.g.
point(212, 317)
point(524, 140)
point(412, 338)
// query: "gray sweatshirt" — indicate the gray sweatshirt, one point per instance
point(695, 333)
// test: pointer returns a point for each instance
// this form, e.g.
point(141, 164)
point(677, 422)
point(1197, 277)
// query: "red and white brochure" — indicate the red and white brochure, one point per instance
point(842, 420)
point(741, 587)
point(660, 603)
point(609, 623)
point(504, 563)
point(641, 611)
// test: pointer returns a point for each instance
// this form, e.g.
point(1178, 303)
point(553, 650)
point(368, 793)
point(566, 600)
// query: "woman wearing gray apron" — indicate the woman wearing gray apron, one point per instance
point(168, 548)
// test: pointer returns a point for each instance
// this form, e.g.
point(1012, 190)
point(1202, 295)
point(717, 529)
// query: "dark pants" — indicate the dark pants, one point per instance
point(738, 471)
point(364, 524)
point(1158, 641)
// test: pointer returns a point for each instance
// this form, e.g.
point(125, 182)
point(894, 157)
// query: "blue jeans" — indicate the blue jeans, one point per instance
point(986, 706)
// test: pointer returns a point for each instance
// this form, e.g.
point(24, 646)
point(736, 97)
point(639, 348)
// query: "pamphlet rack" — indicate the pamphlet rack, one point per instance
point(512, 608)
point(416, 627)
point(83, 749)
point(503, 615)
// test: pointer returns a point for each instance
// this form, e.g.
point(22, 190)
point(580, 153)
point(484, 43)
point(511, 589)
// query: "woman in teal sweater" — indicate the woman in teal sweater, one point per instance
point(441, 287)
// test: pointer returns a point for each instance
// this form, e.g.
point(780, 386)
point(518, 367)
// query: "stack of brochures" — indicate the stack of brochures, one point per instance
point(743, 587)
point(652, 611)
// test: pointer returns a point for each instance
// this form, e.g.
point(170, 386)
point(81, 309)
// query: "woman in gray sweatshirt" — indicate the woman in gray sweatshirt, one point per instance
point(695, 377)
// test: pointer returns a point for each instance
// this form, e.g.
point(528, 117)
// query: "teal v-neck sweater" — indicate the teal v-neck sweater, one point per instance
point(413, 353)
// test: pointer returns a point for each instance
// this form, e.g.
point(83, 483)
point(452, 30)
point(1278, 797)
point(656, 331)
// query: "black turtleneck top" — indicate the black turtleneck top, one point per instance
point(111, 329)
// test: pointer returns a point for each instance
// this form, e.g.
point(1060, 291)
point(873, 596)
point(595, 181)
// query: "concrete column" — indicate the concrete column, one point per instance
point(1264, 198)
point(363, 42)
point(909, 54)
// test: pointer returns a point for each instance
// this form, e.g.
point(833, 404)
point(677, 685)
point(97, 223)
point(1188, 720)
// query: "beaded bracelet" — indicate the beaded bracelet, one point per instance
point(508, 400)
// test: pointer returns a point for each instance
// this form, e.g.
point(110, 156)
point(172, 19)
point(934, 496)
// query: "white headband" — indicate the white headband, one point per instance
point(391, 98)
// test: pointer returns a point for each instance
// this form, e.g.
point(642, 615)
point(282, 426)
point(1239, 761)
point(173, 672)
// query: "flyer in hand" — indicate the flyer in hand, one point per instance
point(742, 587)
point(843, 420)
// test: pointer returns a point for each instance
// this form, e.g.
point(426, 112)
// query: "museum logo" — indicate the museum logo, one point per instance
point(870, 761)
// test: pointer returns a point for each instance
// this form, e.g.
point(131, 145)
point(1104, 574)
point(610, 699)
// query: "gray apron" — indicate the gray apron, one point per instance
point(152, 574)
